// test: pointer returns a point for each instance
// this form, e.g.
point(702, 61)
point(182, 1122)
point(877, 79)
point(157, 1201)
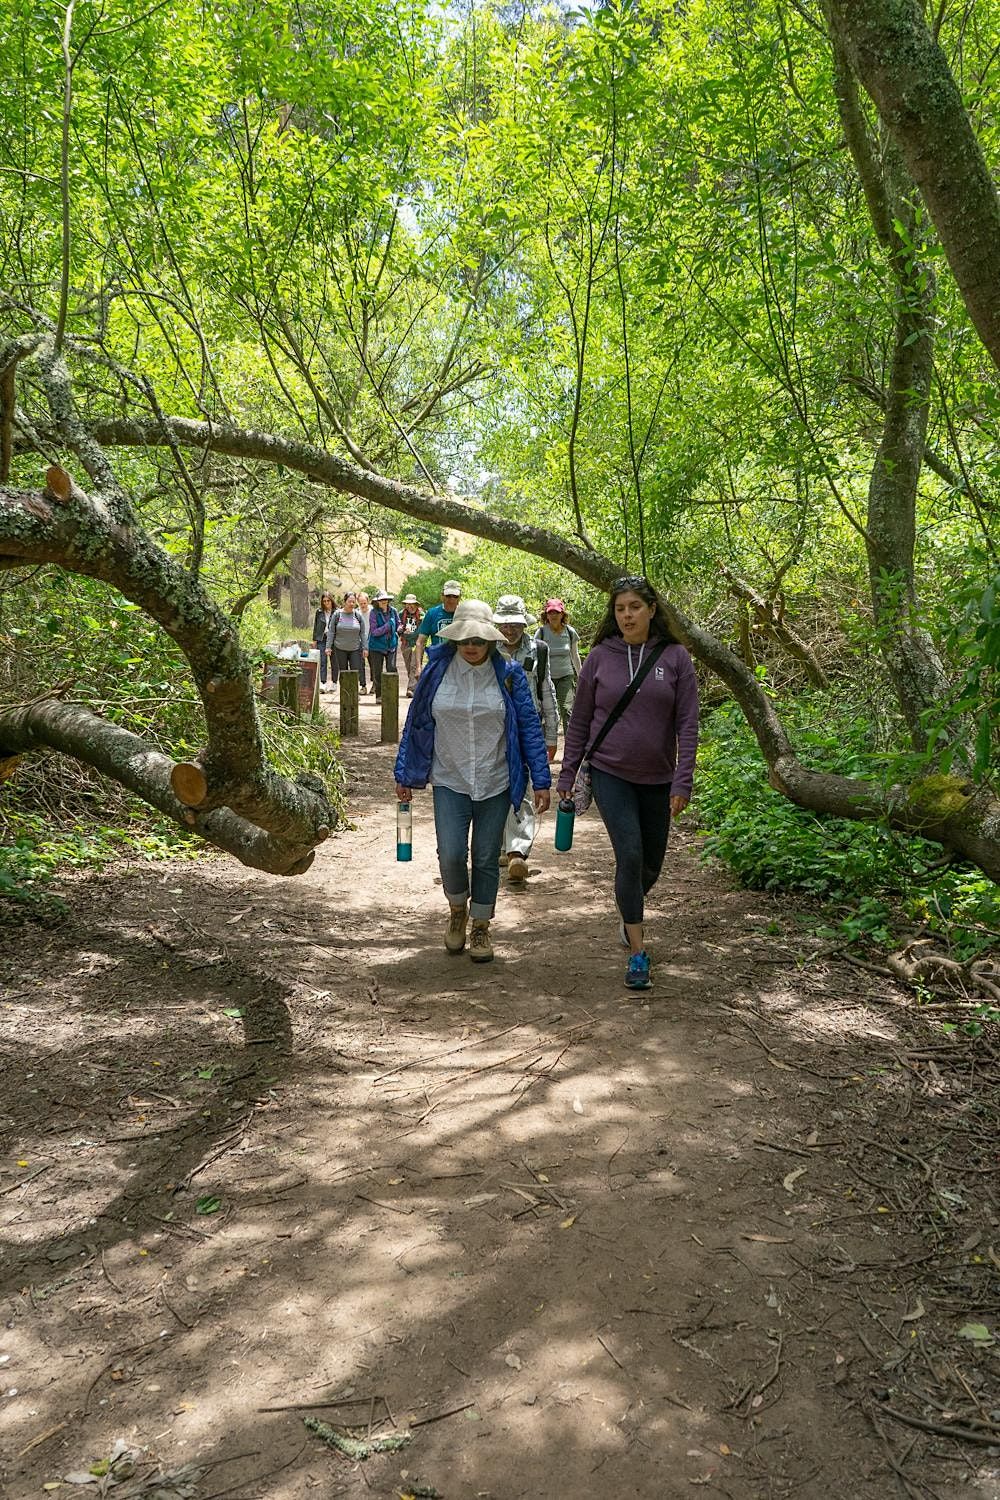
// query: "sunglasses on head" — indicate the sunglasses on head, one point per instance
point(629, 581)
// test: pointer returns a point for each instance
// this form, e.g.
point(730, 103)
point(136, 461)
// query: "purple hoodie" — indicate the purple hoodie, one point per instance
point(656, 737)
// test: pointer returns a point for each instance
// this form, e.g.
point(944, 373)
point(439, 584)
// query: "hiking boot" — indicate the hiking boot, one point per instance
point(503, 860)
point(517, 869)
point(454, 938)
point(637, 973)
point(480, 947)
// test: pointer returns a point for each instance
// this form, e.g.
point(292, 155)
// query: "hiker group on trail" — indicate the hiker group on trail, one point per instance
point(483, 728)
point(490, 696)
point(357, 634)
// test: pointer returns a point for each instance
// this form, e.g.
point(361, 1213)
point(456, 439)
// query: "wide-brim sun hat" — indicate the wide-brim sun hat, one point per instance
point(551, 604)
point(377, 597)
point(410, 599)
point(473, 622)
point(511, 610)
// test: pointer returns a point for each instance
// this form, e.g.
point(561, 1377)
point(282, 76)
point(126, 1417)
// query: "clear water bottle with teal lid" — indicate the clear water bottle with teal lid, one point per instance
point(404, 831)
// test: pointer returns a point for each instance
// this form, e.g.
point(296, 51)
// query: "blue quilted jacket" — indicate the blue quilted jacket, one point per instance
point(525, 744)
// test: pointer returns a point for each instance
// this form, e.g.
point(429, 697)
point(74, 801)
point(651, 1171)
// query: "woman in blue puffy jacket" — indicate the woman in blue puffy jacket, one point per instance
point(474, 734)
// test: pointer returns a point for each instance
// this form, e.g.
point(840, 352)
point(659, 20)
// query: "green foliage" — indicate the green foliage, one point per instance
point(427, 583)
point(972, 636)
point(870, 880)
point(610, 271)
point(771, 844)
point(35, 848)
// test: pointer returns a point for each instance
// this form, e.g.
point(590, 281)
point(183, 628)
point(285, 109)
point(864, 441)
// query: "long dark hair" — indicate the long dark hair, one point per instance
point(634, 584)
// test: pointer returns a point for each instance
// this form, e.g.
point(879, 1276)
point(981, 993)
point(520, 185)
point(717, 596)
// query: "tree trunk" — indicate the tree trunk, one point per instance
point(299, 588)
point(914, 667)
point(907, 75)
point(123, 756)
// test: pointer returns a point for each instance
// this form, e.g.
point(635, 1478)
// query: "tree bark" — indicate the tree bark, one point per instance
point(907, 75)
point(125, 758)
point(775, 625)
point(914, 667)
point(299, 589)
point(64, 526)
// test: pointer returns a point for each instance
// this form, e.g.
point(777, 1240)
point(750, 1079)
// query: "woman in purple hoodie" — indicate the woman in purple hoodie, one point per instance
point(643, 769)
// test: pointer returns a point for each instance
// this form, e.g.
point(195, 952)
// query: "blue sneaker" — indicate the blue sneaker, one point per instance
point(637, 973)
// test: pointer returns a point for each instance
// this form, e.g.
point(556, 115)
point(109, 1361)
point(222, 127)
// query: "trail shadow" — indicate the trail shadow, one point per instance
point(506, 1190)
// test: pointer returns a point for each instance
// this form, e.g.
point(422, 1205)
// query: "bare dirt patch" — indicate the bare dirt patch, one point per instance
point(270, 1154)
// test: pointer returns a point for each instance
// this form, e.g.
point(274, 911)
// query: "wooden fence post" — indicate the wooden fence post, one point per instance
point(390, 708)
point(348, 704)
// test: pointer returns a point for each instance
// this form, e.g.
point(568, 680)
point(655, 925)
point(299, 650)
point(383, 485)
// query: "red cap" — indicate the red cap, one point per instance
point(554, 604)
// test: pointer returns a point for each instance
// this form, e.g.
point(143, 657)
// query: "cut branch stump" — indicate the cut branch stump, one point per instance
point(189, 783)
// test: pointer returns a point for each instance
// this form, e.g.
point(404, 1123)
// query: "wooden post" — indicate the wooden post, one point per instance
point(390, 708)
point(315, 712)
point(348, 704)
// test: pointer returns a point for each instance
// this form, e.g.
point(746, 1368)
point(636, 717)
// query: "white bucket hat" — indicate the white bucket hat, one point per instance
point(511, 610)
point(473, 622)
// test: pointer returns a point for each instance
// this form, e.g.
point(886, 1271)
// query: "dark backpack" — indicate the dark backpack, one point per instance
point(537, 668)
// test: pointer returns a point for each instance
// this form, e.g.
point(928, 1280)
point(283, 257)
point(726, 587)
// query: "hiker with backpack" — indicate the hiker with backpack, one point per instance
point(510, 617)
point(634, 731)
point(565, 665)
point(409, 629)
point(383, 637)
point(473, 733)
point(348, 635)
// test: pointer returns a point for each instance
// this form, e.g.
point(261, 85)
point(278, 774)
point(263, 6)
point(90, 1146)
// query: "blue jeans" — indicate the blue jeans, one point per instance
point(637, 818)
point(454, 814)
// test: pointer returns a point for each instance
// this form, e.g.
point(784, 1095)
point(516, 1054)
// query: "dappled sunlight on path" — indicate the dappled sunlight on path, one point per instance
point(569, 1237)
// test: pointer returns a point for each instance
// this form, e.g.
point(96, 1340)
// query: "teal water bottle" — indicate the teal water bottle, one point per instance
point(565, 818)
point(404, 832)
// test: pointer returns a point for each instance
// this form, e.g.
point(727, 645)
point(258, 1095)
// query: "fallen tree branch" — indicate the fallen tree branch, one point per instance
point(265, 820)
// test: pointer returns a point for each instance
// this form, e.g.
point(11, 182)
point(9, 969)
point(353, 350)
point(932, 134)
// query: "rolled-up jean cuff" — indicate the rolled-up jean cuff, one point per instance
point(479, 911)
point(456, 900)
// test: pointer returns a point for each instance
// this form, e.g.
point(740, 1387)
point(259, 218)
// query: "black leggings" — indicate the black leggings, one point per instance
point(637, 818)
point(379, 661)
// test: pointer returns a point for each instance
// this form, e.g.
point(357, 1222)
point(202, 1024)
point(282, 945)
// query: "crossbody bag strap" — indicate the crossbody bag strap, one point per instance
point(624, 700)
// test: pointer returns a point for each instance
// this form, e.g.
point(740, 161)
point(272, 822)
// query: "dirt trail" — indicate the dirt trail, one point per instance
point(266, 1144)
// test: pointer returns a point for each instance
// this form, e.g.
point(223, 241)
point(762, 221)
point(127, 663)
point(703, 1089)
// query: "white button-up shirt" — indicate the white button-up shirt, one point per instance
point(470, 741)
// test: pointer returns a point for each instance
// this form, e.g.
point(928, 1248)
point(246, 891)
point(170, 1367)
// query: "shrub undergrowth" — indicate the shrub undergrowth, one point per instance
point(872, 883)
